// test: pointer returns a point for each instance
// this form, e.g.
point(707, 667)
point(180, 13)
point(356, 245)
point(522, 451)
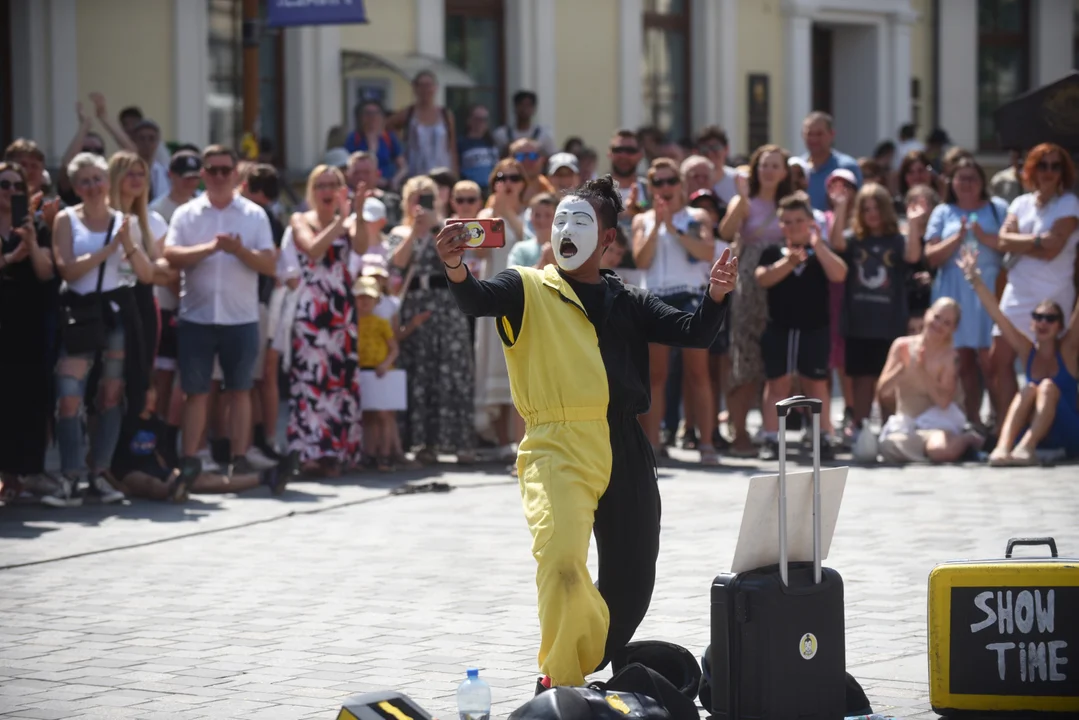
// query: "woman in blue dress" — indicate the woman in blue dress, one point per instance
point(968, 218)
point(1044, 415)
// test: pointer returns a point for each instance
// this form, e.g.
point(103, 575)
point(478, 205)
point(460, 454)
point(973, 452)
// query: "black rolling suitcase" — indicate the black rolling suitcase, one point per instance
point(778, 647)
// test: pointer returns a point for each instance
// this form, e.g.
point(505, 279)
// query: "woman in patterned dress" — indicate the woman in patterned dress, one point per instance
point(438, 355)
point(324, 380)
point(751, 225)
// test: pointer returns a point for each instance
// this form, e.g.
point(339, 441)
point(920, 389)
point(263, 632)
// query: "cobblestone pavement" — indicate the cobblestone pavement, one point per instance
point(280, 608)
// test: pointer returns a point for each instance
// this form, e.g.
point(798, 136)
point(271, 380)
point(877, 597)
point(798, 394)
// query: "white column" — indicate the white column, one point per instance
point(63, 74)
point(545, 64)
point(630, 51)
point(799, 70)
point(957, 84)
point(304, 147)
point(704, 60)
point(190, 69)
point(901, 72)
point(30, 86)
point(732, 92)
point(1051, 40)
point(327, 76)
point(431, 33)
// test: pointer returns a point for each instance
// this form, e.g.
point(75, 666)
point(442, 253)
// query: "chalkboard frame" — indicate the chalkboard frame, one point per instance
point(996, 575)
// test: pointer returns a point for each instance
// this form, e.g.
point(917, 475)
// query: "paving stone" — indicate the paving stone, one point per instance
point(287, 618)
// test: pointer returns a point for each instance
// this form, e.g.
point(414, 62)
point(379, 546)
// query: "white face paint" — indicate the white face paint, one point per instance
point(575, 233)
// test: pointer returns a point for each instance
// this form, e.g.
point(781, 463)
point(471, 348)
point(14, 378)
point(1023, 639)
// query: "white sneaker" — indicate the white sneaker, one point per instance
point(208, 464)
point(103, 490)
point(64, 496)
point(258, 460)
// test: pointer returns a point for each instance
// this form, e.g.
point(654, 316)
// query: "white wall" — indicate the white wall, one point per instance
point(855, 96)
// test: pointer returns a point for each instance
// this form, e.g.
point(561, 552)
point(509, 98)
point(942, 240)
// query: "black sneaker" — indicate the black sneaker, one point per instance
point(290, 466)
point(240, 465)
point(274, 479)
point(719, 442)
point(690, 439)
point(189, 471)
point(769, 450)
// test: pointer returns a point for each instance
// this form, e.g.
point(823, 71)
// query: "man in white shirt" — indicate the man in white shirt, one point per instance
point(220, 242)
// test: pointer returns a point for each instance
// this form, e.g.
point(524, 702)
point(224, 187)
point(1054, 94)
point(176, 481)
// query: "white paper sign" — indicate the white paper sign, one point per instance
point(758, 538)
point(389, 392)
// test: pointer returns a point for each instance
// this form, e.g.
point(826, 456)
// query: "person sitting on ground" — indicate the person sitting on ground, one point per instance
point(139, 467)
point(797, 339)
point(922, 372)
point(1044, 414)
point(377, 349)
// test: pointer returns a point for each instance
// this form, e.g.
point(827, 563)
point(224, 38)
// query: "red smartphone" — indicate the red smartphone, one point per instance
point(484, 232)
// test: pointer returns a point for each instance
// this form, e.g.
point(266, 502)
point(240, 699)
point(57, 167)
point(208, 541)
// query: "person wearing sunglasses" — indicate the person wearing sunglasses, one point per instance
point(1041, 230)
point(675, 246)
point(26, 269)
point(1044, 414)
point(528, 154)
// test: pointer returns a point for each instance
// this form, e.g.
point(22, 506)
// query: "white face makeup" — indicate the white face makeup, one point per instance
point(575, 233)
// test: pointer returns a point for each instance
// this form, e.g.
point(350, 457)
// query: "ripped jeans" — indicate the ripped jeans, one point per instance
point(71, 374)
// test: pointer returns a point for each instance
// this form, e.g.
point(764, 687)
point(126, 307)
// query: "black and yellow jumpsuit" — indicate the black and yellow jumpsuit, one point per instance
point(577, 355)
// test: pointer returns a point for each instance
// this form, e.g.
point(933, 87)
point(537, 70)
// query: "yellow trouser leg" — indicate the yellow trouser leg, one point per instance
point(560, 497)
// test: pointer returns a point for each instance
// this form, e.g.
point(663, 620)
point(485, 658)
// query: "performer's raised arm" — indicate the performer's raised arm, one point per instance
point(666, 325)
point(501, 296)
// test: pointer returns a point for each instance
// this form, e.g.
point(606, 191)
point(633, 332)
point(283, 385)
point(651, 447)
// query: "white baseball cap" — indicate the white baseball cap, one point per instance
point(373, 210)
point(562, 160)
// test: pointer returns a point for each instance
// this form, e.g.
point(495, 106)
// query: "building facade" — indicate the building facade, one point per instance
point(755, 67)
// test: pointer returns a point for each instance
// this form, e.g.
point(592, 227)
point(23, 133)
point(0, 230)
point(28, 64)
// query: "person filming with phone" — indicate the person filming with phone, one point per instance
point(26, 270)
point(576, 345)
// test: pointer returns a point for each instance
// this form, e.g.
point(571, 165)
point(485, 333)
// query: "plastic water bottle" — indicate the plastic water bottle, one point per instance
point(474, 697)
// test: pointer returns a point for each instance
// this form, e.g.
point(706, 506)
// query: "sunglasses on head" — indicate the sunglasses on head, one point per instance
point(666, 182)
point(508, 178)
point(527, 156)
point(625, 150)
point(19, 185)
point(1045, 165)
point(219, 170)
point(466, 200)
point(1045, 317)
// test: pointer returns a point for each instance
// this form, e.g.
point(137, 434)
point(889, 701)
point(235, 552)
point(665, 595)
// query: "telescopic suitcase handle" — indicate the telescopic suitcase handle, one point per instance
point(783, 407)
point(1032, 541)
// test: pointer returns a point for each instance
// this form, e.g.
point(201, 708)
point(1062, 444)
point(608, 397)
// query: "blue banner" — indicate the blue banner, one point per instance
point(282, 13)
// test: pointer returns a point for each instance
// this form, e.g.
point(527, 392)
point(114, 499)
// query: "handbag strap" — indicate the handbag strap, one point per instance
point(101, 267)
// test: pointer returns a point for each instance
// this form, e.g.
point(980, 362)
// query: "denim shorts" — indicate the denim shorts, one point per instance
point(112, 368)
point(235, 346)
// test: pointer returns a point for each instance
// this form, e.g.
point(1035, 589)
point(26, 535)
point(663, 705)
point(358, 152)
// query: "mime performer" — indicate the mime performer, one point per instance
point(576, 343)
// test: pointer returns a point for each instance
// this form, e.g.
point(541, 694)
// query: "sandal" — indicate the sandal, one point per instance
point(709, 456)
point(385, 465)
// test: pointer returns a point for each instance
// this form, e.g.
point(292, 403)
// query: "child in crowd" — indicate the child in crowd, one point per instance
point(377, 350)
point(140, 469)
point(797, 339)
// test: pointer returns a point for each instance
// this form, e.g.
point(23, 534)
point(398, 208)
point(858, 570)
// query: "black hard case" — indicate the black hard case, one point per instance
point(758, 669)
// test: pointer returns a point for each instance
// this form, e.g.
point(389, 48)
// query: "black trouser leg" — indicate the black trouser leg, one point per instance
point(627, 533)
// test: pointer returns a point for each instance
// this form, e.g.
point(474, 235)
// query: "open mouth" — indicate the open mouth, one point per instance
point(567, 249)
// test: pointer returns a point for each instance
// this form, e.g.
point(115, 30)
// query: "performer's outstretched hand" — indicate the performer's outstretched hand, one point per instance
point(724, 276)
point(450, 243)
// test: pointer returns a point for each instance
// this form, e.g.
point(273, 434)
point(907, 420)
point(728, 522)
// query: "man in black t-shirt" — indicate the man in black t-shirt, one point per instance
point(797, 338)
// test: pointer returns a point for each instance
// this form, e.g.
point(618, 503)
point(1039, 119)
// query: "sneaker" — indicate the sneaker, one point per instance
point(769, 450)
point(208, 464)
point(275, 478)
point(258, 459)
point(290, 465)
point(64, 496)
point(241, 466)
point(101, 489)
point(190, 468)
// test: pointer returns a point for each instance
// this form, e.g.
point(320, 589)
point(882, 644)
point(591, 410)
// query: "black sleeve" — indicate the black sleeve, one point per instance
point(501, 296)
point(665, 325)
point(769, 255)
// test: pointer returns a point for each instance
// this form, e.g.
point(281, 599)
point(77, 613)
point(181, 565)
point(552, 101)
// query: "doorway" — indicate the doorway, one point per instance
point(823, 41)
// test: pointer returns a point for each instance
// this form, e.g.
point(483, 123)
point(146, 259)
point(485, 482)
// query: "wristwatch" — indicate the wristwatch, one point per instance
point(1037, 242)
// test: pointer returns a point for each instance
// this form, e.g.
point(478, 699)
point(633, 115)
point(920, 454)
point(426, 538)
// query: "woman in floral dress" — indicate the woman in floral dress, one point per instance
point(437, 353)
point(324, 380)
